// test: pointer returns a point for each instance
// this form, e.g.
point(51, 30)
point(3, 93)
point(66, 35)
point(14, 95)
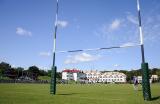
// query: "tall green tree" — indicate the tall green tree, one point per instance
point(43, 72)
point(59, 75)
point(33, 72)
point(4, 66)
point(11, 73)
point(19, 71)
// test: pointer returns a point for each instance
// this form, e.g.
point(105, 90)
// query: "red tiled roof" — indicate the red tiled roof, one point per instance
point(71, 71)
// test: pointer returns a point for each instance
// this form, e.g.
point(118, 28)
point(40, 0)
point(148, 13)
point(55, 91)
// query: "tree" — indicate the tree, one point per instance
point(59, 75)
point(4, 66)
point(49, 73)
point(19, 71)
point(11, 73)
point(34, 72)
point(43, 73)
point(158, 72)
point(154, 71)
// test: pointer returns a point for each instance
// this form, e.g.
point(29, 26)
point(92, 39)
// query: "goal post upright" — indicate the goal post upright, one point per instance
point(144, 65)
point(54, 68)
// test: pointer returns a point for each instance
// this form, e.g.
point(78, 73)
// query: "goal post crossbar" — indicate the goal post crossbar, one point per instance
point(98, 49)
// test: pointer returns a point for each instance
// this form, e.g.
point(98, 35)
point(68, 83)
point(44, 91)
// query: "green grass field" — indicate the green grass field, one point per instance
point(75, 94)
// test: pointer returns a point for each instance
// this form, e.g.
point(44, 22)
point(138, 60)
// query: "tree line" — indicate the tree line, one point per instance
point(34, 72)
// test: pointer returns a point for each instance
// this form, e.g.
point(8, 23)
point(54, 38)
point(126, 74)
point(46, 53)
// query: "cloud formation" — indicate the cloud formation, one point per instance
point(131, 18)
point(45, 54)
point(23, 32)
point(83, 57)
point(116, 65)
point(115, 24)
point(62, 24)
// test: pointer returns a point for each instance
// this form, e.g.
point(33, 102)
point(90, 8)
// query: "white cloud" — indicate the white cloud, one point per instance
point(151, 30)
point(115, 24)
point(46, 54)
point(128, 31)
point(23, 32)
point(111, 32)
point(131, 18)
point(62, 24)
point(116, 65)
point(83, 57)
point(44, 67)
point(107, 29)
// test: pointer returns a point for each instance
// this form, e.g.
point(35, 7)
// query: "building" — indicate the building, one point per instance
point(139, 79)
point(92, 76)
point(153, 78)
point(106, 77)
point(73, 74)
point(113, 77)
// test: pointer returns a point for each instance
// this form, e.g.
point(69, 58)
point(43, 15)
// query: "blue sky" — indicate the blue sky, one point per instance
point(27, 27)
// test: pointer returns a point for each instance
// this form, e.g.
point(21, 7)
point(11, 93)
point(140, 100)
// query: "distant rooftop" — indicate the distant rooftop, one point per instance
point(71, 70)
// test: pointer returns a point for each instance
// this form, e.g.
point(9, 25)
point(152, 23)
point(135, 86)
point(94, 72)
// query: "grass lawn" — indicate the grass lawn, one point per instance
point(44, 78)
point(75, 94)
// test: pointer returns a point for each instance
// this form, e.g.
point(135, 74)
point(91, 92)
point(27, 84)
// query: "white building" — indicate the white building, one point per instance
point(139, 79)
point(73, 74)
point(112, 77)
point(107, 77)
point(153, 78)
point(93, 76)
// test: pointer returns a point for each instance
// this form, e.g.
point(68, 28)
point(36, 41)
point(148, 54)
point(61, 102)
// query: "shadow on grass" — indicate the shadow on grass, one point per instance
point(68, 94)
point(155, 98)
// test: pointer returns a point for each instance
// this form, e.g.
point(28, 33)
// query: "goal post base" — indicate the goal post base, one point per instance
point(146, 82)
point(53, 80)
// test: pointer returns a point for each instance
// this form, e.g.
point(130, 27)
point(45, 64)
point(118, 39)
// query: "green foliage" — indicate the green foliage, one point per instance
point(34, 72)
point(43, 73)
point(75, 94)
point(5, 78)
point(44, 78)
point(11, 73)
point(49, 73)
point(34, 69)
point(4, 66)
point(59, 74)
point(19, 71)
